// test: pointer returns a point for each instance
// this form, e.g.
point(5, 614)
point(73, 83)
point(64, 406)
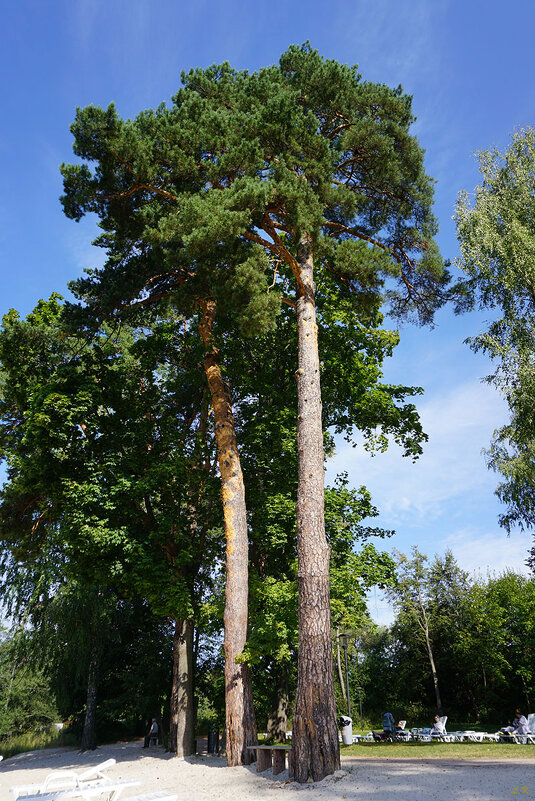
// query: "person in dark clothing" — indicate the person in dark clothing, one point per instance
point(153, 732)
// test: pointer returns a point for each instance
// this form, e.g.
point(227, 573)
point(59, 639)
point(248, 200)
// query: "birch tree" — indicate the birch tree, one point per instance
point(496, 232)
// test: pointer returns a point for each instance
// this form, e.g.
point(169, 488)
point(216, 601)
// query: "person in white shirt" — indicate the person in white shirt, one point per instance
point(438, 727)
point(519, 724)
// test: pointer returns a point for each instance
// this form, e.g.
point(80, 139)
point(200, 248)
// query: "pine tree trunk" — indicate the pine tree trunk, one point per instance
point(314, 729)
point(89, 732)
point(240, 718)
point(181, 733)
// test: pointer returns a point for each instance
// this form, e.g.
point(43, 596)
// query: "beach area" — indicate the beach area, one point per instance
point(207, 778)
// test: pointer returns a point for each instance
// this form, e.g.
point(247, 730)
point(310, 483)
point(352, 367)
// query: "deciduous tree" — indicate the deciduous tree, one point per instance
point(101, 472)
point(496, 232)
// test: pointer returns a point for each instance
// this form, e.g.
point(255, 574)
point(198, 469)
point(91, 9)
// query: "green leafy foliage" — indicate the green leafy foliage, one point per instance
point(481, 636)
point(496, 232)
point(26, 698)
point(94, 461)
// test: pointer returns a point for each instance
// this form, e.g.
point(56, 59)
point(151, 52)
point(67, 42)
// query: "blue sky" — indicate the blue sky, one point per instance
point(469, 67)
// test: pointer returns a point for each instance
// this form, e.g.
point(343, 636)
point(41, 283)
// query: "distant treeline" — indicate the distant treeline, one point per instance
point(480, 632)
point(459, 644)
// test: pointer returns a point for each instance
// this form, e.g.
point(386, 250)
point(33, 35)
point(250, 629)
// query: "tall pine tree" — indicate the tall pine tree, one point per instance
point(298, 165)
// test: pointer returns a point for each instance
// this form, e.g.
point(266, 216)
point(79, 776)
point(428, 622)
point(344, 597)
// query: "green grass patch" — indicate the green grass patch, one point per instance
point(37, 741)
point(435, 750)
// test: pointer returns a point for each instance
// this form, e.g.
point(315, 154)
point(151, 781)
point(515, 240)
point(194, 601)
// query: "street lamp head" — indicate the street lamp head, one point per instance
point(344, 639)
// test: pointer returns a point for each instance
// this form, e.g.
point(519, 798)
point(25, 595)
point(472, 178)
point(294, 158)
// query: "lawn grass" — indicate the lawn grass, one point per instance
point(434, 750)
point(36, 741)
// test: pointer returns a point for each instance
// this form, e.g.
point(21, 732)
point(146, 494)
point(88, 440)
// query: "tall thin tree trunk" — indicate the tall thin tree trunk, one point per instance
point(278, 719)
point(240, 718)
point(314, 729)
point(485, 697)
point(526, 695)
point(339, 668)
point(181, 733)
point(432, 664)
point(182, 706)
point(89, 732)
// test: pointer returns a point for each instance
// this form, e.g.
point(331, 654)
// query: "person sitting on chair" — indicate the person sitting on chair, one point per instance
point(152, 733)
point(518, 726)
point(438, 727)
point(400, 732)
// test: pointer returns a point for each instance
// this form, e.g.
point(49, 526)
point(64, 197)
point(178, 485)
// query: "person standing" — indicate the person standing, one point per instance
point(388, 724)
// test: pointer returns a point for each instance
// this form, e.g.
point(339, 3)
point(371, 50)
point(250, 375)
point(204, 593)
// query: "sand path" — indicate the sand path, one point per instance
point(206, 778)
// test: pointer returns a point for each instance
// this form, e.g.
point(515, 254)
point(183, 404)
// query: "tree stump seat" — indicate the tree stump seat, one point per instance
point(274, 756)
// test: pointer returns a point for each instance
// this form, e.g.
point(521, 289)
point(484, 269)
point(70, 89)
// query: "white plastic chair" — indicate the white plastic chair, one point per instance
point(529, 737)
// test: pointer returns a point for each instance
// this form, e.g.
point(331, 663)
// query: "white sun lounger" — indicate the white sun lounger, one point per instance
point(96, 771)
point(66, 780)
point(99, 790)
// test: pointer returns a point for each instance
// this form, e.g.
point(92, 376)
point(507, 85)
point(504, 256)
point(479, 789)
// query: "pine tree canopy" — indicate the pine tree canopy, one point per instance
point(210, 195)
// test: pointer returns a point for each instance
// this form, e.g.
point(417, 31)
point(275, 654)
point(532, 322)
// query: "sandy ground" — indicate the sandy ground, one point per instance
point(207, 778)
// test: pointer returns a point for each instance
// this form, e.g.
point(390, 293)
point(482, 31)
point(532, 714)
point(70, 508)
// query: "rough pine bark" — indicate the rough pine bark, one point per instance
point(89, 732)
point(239, 711)
point(314, 727)
point(181, 729)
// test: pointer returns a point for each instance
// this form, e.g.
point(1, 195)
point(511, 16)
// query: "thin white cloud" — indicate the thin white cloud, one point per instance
point(489, 553)
point(84, 17)
point(452, 466)
point(401, 44)
point(482, 555)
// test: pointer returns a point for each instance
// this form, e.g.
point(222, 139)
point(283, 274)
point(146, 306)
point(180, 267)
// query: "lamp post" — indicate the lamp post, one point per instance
point(344, 642)
point(359, 690)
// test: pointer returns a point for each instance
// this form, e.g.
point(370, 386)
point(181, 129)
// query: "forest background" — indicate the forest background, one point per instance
point(472, 84)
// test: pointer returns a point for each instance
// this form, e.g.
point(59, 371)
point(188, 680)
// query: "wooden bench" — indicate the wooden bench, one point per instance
point(274, 756)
